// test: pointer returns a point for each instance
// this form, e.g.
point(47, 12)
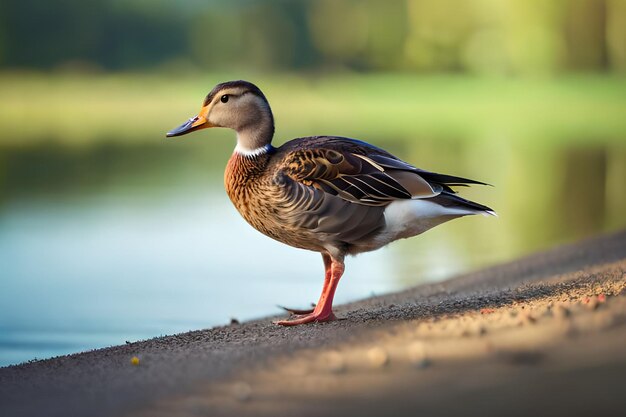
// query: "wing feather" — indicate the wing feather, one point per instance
point(356, 177)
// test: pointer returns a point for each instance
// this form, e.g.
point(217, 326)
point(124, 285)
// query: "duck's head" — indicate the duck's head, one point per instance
point(237, 105)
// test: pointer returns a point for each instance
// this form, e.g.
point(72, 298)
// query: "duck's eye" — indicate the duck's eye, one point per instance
point(224, 98)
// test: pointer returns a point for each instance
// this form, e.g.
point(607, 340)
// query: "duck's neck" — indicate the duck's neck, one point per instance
point(251, 155)
point(255, 139)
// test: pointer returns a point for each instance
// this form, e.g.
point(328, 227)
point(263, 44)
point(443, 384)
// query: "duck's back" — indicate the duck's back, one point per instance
point(338, 143)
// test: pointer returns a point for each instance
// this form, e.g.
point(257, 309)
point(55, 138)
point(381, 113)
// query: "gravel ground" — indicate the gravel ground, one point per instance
point(541, 335)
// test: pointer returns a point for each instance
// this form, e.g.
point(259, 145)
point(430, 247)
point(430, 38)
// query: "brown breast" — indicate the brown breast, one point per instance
point(251, 187)
point(243, 178)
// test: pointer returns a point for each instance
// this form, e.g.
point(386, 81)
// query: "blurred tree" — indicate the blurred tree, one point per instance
point(536, 42)
point(583, 212)
point(485, 49)
point(388, 28)
point(263, 35)
point(360, 34)
point(337, 44)
point(46, 34)
point(616, 34)
point(436, 35)
point(479, 36)
point(585, 30)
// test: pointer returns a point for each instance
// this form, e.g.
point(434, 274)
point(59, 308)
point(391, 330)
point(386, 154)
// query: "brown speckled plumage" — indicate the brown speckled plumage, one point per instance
point(333, 195)
point(271, 195)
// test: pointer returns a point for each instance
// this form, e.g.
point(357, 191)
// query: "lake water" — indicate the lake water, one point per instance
point(117, 243)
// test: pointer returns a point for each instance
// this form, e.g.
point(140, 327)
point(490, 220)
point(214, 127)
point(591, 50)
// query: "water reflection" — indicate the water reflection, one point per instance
point(103, 245)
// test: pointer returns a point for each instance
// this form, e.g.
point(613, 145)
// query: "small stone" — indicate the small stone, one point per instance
point(417, 355)
point(333, 362)
point(422, 328)
point(561, 312)
point(242, 391)
point(526, 318)
point(234, 321)
point(377, 357)
point(593, 303)
point(295, 368)
point(134, 361)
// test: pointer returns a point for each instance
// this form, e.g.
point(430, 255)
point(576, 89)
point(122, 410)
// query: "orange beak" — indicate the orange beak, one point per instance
point(195, 123)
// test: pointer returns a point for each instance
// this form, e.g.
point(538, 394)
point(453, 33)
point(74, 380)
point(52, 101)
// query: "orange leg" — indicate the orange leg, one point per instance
point(323, 310)
point(327, 275)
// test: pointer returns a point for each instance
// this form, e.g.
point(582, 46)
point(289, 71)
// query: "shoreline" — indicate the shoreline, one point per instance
point(505, 323)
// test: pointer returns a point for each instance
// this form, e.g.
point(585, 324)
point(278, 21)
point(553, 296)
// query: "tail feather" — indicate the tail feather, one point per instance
point(450, 200)
point(450, 180)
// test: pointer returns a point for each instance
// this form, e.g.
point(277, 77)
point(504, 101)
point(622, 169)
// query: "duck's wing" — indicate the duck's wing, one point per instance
point(359, 177)
point(341, 187)
point(443, 180)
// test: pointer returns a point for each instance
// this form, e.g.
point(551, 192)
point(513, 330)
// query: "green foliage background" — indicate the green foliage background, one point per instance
point(474, 36)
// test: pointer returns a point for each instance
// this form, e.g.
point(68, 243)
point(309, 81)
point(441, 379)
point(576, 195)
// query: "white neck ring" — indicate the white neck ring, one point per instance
point(252, 152)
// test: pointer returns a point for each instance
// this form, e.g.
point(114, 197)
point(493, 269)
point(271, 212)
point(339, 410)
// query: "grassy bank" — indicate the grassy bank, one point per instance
point(86, 109)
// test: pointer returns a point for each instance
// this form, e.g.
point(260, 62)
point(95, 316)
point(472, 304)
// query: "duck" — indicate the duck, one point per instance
point(329, 194)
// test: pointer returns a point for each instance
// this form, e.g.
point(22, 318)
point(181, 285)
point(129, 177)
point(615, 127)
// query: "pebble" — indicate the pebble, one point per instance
point(561, 312)
point(526, 318)
point(377, 357)
point(242, 391)
point(134, 361)
point(592, 303)
point(334, 362)
point(295, 368)
point(417, 355)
